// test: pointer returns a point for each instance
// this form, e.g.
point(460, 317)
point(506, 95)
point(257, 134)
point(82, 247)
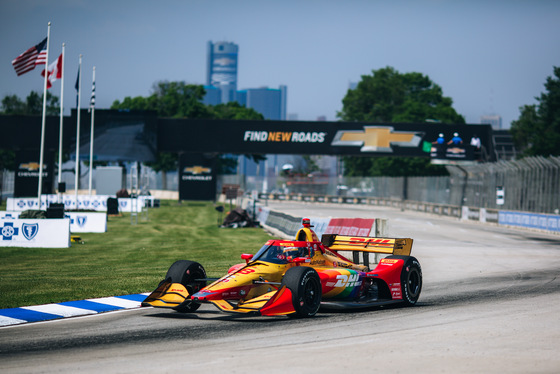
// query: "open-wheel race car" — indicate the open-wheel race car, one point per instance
point(296, 277)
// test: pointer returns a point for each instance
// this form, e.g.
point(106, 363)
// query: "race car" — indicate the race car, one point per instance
point(297, 277)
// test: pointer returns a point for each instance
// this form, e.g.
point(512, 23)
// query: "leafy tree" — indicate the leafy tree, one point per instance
point(389, 96)
point(33, 105)
point(170, 99)
point(181, 100)
point(537, 130)
point(234, 110)
point(11, 104)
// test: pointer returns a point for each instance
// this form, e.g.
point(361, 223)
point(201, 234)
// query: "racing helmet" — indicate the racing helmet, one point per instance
point(306, 222)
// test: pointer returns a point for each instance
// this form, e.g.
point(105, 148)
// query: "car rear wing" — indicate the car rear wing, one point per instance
point(395, 246)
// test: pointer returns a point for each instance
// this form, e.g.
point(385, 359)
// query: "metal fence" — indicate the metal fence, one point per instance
point(531, 184)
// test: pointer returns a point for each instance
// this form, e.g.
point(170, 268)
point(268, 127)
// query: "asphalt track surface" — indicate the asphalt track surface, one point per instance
point(490, 304)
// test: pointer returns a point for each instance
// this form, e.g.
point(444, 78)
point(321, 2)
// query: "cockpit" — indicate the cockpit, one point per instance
point(279, 252)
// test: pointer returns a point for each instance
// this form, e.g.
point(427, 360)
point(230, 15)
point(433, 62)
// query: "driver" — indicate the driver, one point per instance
point(306, 233)
point(294, 252)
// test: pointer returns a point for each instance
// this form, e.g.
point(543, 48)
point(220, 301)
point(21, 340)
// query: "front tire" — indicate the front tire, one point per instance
point(305, 285)
point(187, 273)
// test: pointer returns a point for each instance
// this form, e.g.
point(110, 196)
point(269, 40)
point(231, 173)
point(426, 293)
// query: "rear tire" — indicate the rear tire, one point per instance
point(186, 273)
point(411, 279)
point(305, 285)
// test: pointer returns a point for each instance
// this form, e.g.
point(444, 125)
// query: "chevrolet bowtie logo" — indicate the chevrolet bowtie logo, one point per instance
point(195, 170)
point(376, 138)
point(31, 166)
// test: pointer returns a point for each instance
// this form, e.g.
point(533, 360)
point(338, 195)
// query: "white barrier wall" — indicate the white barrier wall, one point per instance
point(36, 233)
point(9, 215)
point(86, 202)
point(87, 222)
point(79, 222)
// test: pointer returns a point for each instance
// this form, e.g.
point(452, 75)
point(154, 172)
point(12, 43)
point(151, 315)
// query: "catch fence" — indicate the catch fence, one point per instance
point(531, 184)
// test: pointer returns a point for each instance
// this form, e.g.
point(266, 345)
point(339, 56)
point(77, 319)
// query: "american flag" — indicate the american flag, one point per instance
point(36, 55)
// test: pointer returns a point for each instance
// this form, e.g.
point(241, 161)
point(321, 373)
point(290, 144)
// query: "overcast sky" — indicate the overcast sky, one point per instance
point(490, 57)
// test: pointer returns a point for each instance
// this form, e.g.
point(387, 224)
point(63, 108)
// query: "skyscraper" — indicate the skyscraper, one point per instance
point(222, 69)
point(221, 84)
point(270, 102)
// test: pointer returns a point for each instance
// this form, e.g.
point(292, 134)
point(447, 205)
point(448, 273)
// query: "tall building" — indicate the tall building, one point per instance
point(221, 84)
point(221, 69)
point(270, 102)
point(495, 121)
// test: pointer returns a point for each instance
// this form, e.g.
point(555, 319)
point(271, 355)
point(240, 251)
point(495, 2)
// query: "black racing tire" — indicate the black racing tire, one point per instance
point(305, 285)
point(186, 273)
point(411, 279)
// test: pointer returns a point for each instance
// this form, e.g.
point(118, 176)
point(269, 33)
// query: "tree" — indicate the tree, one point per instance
point(537, 130)
point(170, 99)
point(389, 96)
point(181, 100)
point(234, 111)
point(33, 105)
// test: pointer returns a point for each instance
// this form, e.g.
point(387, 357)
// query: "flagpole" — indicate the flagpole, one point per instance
point(40, 187)
point(92, 107)
point(78, 130)
point(61, 125)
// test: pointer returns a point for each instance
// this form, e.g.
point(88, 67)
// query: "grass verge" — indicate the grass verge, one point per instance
point(127, 258)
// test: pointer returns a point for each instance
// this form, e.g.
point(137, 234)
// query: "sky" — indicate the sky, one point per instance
point(490, 57)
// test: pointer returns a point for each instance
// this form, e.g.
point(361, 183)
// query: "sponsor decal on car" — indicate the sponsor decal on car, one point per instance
point(388, 261)
point(344, 280)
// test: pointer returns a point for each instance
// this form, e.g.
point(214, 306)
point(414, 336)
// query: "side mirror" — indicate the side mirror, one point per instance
point(247, 257)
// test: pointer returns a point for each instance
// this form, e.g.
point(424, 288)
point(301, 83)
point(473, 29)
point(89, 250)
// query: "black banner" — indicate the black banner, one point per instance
point(197, 177)
point(26, 181)
point(328, 138)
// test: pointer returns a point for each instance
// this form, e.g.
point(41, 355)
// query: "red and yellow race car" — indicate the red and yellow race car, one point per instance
point(296, 277)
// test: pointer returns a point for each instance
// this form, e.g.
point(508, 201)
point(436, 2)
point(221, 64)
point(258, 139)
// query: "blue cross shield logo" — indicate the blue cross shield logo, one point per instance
point(30, 230)
point(81, 220)
point(8, 231)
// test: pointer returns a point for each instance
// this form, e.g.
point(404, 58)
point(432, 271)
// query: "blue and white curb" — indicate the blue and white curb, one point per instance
point(16, 316)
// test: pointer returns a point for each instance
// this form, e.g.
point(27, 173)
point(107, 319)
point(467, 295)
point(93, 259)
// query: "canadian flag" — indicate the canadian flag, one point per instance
point(55, 71)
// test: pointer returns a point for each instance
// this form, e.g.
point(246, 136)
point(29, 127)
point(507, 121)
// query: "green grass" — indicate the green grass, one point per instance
point(127, 258)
